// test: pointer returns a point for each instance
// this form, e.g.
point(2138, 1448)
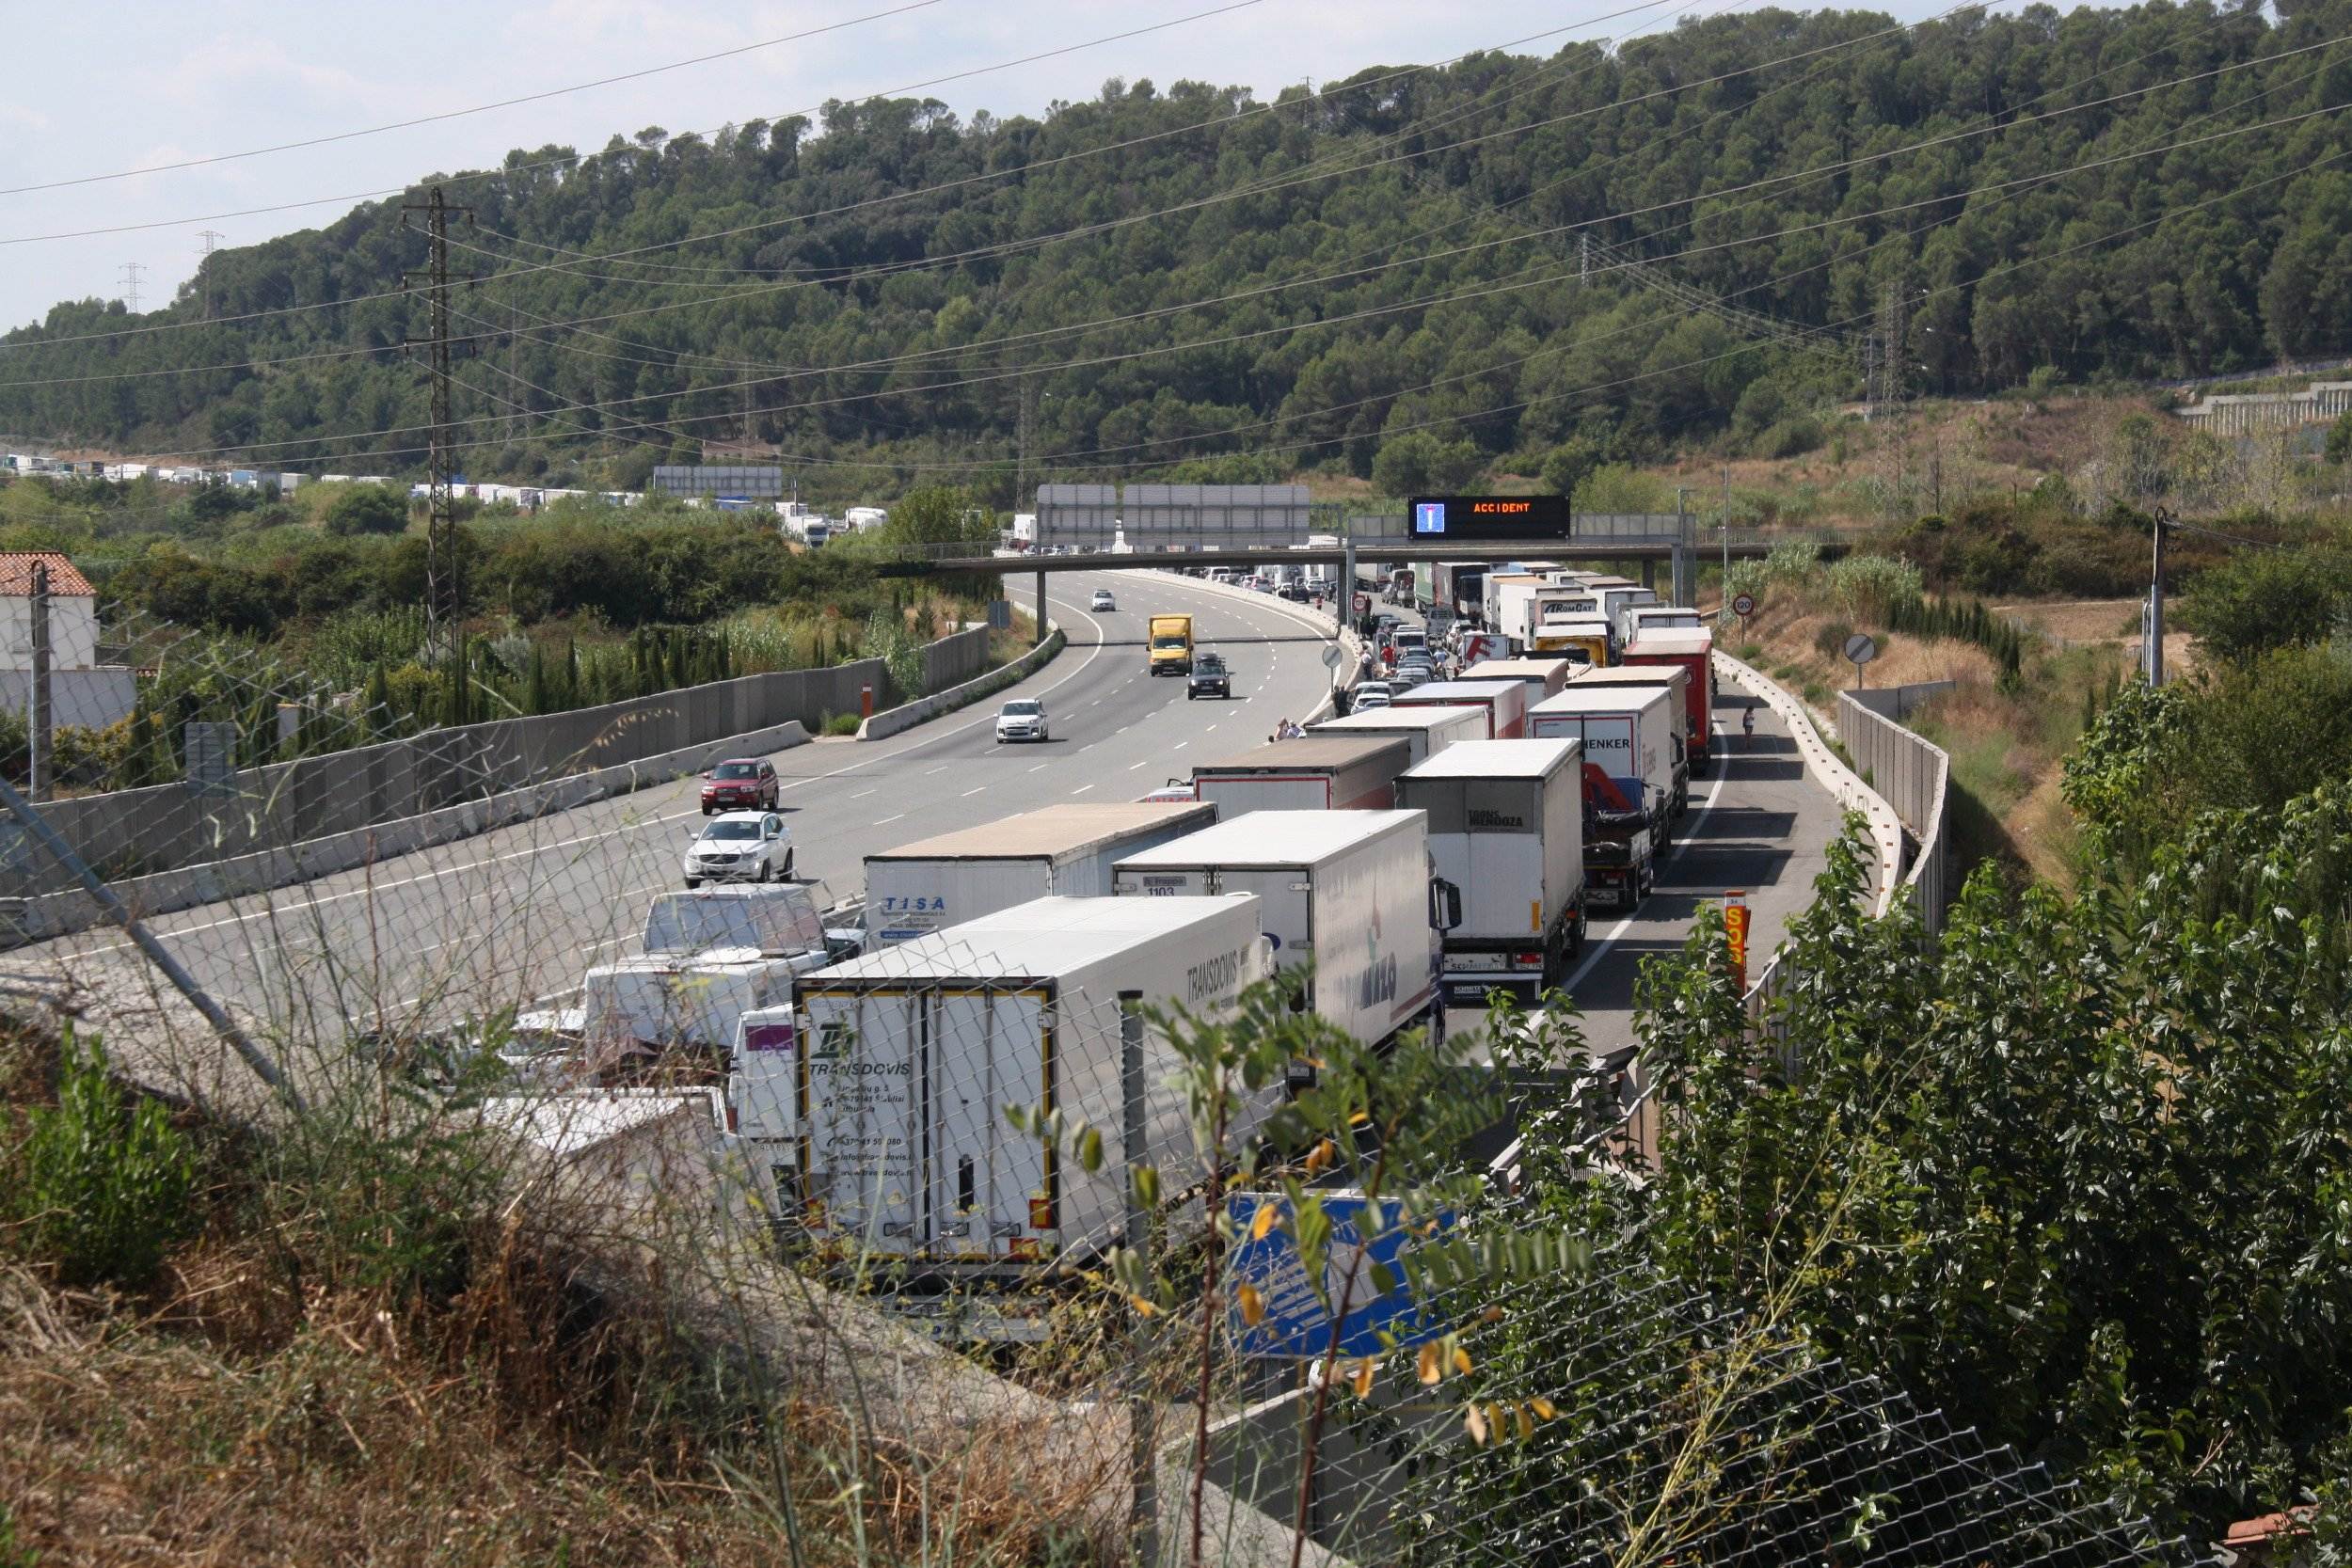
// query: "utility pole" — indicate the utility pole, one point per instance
point(2154, 651)
point(441, 587)
point(38, 786)
point(131, 270)
point(211, 238)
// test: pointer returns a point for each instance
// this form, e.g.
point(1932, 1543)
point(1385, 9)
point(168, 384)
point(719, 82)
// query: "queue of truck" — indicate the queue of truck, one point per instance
point(1392, 862)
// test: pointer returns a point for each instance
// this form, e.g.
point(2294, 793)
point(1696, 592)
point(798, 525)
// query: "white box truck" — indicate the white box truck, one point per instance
point(936, 882)
point(1348, 892)
point(1669, 678)
point(1543, 676)
point(895, 1144)
point(1630, 735)
point(1424, 729)
point(1506, 826)
point(1506, 594)
point(1504, 700)
point(1634, 619)
point(1317, 772)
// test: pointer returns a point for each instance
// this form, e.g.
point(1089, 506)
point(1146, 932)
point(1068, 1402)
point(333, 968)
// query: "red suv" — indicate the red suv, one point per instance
point(740, 784)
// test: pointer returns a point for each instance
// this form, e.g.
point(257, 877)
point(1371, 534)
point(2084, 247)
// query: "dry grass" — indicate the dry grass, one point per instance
point(261, 1403)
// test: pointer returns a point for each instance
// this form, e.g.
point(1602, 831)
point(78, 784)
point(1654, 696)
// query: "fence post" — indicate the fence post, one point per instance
point(1142, 1407)
point(38, 603)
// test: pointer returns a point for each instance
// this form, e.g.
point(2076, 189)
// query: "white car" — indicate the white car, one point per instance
point(1103, 600)
point(1367, 700)
point(740, 847)
point(1023, 719)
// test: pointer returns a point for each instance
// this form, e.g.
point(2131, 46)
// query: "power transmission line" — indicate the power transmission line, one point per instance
point(443, 592)
point(129, 273)
point(479, 108)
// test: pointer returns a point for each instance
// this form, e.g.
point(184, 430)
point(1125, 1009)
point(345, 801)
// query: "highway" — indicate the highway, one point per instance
point(513, 917)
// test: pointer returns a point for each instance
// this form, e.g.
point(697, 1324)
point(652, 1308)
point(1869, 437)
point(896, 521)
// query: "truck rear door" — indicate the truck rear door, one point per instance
point(861, 1093)
point(991, 1190)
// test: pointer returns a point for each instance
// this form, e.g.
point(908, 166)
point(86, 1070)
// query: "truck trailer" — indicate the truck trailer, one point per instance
point(1349, 893)
point(1694, 651)
point(937, 882)
point(1424, 729)
point(708, 956)
point(1674, 680)
point(1506, 826)
point(1542, 675)
point(895, 1144)
point(1318, 773)
point(1504, 700)
point(1630, 736)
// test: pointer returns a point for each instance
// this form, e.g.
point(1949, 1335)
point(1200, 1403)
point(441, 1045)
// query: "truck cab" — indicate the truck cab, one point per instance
point(1171, 644)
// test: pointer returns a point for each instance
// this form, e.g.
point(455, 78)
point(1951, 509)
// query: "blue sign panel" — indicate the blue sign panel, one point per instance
point(1295, 1323)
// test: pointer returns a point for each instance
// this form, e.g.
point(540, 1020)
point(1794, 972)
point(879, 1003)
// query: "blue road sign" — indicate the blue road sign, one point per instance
point(1296, 1323)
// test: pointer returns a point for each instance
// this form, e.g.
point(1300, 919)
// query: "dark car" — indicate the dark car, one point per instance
point(1209, 678)
point(740, 784)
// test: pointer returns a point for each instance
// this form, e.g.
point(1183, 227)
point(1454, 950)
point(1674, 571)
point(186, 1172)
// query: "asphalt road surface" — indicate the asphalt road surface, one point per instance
point(513, 918)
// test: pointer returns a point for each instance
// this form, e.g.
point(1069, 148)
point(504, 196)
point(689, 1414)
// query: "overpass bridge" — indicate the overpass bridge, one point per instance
point(1677, 540)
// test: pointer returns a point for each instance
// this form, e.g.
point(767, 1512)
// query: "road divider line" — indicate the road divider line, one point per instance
point(1081, 790)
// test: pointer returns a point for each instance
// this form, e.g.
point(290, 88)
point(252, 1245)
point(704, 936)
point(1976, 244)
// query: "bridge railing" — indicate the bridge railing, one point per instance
point(1650, 531)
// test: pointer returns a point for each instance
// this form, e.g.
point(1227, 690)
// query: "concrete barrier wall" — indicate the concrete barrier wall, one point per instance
point(135, 833)
point(906, 715)
point(1915, 776)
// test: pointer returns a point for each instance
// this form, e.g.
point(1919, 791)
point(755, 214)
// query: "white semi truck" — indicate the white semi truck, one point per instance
point(1506, 826)
point(1424, 729)
point(1317, 772)
point(1505, 702)
point(1350, 892)
point(1068, 850)
point(893, 1144)
point(1630, 736)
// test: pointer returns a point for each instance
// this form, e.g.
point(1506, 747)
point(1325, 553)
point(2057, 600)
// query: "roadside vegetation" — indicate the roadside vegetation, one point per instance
point(238, 602)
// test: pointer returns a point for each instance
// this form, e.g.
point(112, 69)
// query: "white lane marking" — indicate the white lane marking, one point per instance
point(273, 910)
point(863, 793)
point(1177, 747)
point(1040, 768)
point(1211, 727)
point(969, 793)
point(887, 820)
point(927, 773)
point(1133, 766)
point(1081, 790)
point(1593, 952)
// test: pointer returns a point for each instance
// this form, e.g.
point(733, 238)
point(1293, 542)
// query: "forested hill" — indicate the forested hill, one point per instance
point(2124, 192)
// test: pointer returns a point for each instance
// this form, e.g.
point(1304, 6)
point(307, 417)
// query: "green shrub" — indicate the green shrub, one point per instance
point(1829, 639)
point(1865, 585)
point(841, 724)
point(104, 1181)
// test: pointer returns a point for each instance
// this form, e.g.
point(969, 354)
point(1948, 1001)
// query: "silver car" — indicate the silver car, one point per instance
point(740, 847)
point(1023, 719)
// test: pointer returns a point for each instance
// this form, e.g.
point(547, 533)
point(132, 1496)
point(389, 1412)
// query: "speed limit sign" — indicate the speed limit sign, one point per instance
point(1743, 606)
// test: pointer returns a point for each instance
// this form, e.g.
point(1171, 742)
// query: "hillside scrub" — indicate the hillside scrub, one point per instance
point(2191, 283)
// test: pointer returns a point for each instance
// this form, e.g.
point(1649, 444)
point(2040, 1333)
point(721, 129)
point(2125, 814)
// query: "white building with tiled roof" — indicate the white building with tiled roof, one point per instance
point(81, 690)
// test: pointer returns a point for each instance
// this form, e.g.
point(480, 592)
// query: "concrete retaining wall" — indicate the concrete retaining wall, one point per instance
point(133, 836)
point(1915, 776)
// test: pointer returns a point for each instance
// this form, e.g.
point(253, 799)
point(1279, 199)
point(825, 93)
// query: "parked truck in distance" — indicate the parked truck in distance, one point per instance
point(1424, 729)
point(1067, 850)
point(1318, 773)
point(1674, 680)
point(1629, 736)
point(1694, 651)
point(1582, 641)
point(1350, 892)
point(1506, 826)
point(1505, 703)
point(1170, 652)
point(895, 1146)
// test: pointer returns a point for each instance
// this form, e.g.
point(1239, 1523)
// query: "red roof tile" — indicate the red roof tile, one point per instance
point(16, 574)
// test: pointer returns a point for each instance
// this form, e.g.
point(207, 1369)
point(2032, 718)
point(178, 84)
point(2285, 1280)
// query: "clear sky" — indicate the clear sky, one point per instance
point(134, 85)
